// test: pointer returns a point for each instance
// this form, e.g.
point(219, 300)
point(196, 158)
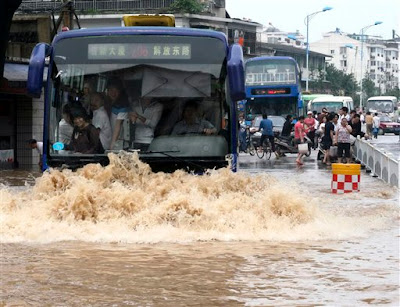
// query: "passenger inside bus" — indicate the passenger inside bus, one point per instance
point(119, 102)
point(100, 119)
point(144, 116)
point(85, 137)
point(192, 123)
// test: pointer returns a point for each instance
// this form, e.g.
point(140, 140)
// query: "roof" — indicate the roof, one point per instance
point(140, 31)
point(292, 49)
point(261, 58)
point(332, 99)
point(382, 98)
point(16, 72)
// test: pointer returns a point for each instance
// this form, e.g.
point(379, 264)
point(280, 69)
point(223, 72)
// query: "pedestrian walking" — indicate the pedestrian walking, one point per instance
point(369, 121)
point(375, 125)
point(299, 134)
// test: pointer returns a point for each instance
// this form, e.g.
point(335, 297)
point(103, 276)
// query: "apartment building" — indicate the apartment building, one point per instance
point(367, 56)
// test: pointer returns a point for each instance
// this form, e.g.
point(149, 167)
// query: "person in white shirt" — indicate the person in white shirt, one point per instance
point(101, 120)
point(144, 115)
point(376, 122)
point(119, 112)
point(344, 112)
point(335, 122)
point(39, 148)
point(65, 126)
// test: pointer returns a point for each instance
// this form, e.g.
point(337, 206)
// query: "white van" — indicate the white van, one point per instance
point(382, 104)
point(331, 103)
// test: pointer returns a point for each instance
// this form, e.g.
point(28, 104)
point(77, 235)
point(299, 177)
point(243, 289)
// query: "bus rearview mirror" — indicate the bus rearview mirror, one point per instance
point(36, 68)
point(236, 73)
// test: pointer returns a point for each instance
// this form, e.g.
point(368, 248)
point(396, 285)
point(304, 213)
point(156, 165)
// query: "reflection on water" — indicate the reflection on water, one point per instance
point(18, 177)
point(345, 273)
point(121, 235)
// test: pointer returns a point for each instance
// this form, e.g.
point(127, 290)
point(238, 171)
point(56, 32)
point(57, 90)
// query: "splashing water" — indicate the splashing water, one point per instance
point(126, 202)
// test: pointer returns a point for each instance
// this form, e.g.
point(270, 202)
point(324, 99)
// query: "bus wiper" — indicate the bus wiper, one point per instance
point(166, 153)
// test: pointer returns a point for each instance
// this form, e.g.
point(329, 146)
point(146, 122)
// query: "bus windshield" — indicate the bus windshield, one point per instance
point(271, 106)
point(384, 106)
point(270, 72)
point(329, 105)
point(157, 94)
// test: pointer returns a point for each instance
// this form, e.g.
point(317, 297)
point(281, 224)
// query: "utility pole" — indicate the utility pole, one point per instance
point(67, 14)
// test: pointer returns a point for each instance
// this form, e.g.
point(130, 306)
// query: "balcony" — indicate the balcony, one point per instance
point(95, 5)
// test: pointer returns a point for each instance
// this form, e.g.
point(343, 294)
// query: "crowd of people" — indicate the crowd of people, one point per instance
point(327, 129)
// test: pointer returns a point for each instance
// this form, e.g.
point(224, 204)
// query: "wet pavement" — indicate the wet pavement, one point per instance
point(388, 143)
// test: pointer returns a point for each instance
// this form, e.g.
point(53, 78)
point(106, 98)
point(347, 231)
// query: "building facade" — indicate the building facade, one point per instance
point(293, 44)
point(365, 57)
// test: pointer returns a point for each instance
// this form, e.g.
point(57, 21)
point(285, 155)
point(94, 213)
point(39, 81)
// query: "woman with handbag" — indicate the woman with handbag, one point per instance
point(342, 139)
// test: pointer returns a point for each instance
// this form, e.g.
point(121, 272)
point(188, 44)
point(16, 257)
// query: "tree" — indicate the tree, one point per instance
point(393, 92)
point(369, 87)
point(186, 6)
point(338, 82)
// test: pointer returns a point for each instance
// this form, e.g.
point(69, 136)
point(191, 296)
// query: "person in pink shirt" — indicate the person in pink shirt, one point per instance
point(299, 133)
point(310, 123)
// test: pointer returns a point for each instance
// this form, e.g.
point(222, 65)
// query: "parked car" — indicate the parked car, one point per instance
point(388, 126)
point(277, 122)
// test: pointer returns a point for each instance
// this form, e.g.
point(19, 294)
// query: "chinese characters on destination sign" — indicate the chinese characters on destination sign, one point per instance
point(139, 51)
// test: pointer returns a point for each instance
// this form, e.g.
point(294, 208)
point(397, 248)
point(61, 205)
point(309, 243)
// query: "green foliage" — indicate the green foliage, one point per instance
point(369, 88)
point(336, 82)
point(393, 92)
point(339, 83)
point(186, 6)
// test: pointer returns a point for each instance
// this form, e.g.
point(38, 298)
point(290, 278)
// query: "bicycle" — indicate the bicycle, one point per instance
point(264, 150)
point(249, 143)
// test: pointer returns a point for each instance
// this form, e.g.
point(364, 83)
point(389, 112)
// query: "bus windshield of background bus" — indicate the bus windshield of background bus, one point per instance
point(330, 106)
point(133, 90)
point(384, 106)
point(270, 72)
point(271, 106)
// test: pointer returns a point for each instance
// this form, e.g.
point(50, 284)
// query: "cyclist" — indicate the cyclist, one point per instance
point(267, 132)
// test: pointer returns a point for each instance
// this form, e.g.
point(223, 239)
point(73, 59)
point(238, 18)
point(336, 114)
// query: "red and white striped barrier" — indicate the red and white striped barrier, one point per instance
point(345, 183)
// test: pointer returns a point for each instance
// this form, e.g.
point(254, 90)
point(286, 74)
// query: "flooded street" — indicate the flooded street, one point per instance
point(270, 235)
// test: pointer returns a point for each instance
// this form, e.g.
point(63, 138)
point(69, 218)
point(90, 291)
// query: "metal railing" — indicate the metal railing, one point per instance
point(381, 164)
point(95, 5)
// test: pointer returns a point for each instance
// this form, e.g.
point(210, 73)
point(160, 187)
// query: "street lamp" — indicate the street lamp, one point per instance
point(307, 21)
point(362, 57)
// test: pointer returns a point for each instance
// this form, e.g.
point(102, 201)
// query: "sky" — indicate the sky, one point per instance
point(349, 16)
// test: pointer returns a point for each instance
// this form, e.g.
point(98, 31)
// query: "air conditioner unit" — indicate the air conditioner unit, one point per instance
point(344, 56)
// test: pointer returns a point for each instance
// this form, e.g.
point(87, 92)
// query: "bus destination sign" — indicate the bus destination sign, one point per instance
point(139, 51)
point(270, 91)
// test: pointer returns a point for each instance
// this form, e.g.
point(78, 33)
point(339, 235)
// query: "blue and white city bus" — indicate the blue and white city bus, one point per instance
point(165, 64)
point(272, 87)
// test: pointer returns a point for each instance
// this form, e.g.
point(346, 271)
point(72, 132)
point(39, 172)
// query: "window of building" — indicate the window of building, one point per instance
point(373, 63)
point(343, 63)
point(343, 50)
point(332, 51)
point(372, 76)
point(373, 49)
